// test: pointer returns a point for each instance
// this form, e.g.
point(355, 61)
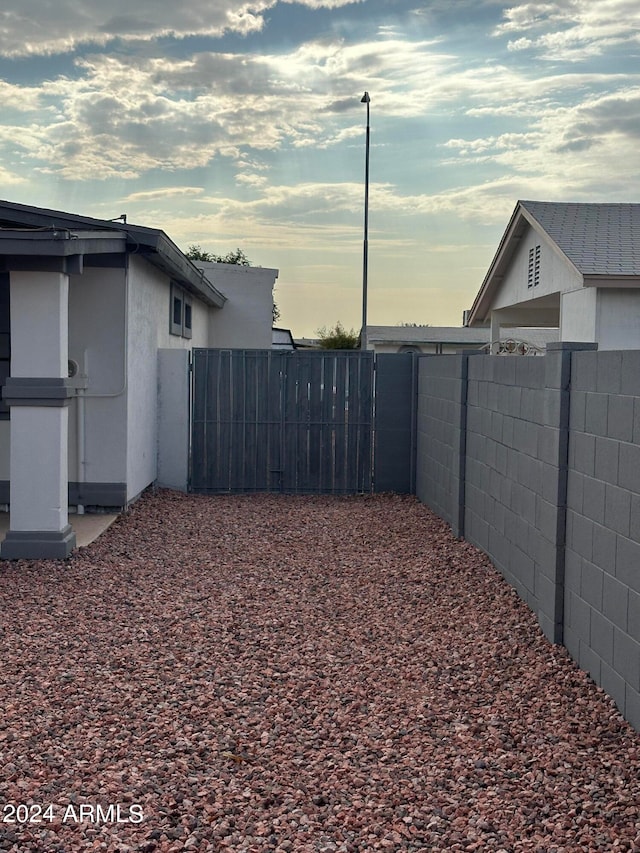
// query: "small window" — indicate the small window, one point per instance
point(177, 311)
point(181, 318)
point(181, 312)
point(175, 318)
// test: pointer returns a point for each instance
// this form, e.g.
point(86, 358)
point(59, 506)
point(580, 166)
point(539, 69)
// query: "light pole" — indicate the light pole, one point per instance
point(363, 335)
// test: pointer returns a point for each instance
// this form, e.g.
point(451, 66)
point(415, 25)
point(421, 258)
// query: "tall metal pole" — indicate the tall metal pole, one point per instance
point(363, 335)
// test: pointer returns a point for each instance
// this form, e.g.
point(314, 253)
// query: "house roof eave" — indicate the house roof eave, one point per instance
point(609, 281)
point(506, 247)
point(175, 263)
point(151, 243)
point(520, 218)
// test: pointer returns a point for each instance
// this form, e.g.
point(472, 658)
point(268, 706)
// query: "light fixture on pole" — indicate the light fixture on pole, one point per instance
point(363, 335)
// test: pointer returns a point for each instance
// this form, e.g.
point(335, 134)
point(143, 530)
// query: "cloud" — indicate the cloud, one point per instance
point(124, 116)
point(162, 193)
point(571, 30)
point(567, 151)
point(251, 180)
point(8, 178)
point(27, 30)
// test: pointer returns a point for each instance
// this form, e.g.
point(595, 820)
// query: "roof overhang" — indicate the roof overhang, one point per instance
point(543, 312)
point(607, 281)
point(31, 232)
point(517, 227)
point(55, 250)
point(520, 222)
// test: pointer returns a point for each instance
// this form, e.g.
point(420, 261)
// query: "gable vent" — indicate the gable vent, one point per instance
point(533, 277)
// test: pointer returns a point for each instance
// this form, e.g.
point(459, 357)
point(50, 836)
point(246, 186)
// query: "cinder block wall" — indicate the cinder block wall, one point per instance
point(537, 462)
point(602, 572)
point(504, 474)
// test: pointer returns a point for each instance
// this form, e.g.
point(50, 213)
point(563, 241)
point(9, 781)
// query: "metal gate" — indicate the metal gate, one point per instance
point(301, 422)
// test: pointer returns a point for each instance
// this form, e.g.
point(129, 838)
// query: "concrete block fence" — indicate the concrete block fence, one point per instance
point(537, 462)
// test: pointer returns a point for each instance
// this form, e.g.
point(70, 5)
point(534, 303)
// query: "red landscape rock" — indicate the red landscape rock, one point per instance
point(287, 673)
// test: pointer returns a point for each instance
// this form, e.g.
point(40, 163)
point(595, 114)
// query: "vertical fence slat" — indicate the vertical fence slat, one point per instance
point(275, 421)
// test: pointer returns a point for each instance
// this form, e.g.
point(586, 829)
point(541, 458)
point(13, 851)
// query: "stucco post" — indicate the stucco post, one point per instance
point(494, 346)
point(38, 395)
point(173, 418)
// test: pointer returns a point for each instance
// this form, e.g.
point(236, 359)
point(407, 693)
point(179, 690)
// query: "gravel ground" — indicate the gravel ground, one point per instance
point(276, 673)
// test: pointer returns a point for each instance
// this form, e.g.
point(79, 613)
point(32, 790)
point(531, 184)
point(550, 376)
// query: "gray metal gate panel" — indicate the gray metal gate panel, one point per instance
point(396, 397)
point(268, 420)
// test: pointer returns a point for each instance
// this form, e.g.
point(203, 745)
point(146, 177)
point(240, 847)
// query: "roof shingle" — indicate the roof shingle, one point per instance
point(599, 239)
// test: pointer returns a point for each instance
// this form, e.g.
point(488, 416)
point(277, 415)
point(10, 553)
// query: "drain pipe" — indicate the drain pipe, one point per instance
point(81, 440)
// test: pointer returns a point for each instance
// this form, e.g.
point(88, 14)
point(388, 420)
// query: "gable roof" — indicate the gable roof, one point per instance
point(600, 240)
point(152, 243)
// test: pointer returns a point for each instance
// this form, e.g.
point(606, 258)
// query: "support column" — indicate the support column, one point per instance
point(495, 333)
point(38, 395)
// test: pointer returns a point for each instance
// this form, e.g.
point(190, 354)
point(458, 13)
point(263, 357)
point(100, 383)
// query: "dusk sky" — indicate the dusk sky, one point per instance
point(239, 124)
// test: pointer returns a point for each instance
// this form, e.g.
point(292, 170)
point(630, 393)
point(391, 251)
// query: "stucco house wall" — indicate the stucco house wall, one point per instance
point(555, 273)
point(578, 315)
point(245, 322)
point(97, 423)
point(618, 319)
point(148, 317)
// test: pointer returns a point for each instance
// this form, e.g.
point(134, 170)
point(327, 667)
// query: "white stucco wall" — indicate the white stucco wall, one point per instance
point(97, 344)
point(38, 433)
point(578, 315)
point(39, 348)
point(246, 320)
point(173, 418)
point(618, 318)
point(557, 274)
point(148, 318)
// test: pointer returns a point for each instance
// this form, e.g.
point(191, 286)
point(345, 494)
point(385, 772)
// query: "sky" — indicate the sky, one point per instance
point(239, 123)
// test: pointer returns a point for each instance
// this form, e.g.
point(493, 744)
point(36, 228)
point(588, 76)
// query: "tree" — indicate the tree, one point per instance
point(338, 337)
point(195, 252)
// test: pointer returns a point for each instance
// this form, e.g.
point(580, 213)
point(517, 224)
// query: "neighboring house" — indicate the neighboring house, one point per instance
point(424, 339)
point(572, 266)
point(94, 305)
point(282, 339)
point(450, 339)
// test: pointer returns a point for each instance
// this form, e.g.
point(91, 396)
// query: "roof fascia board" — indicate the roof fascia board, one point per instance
point(506, 247)
point(607, 281)
point(60, 243)
point(186, 273)
point(151, 243)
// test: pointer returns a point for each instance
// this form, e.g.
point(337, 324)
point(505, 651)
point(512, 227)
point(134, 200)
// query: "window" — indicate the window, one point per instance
point(5, 339)
point(533, 277)
point(181, 312)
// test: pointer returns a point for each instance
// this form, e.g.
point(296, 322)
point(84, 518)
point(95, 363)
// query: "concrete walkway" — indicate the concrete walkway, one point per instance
point(87, 527)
